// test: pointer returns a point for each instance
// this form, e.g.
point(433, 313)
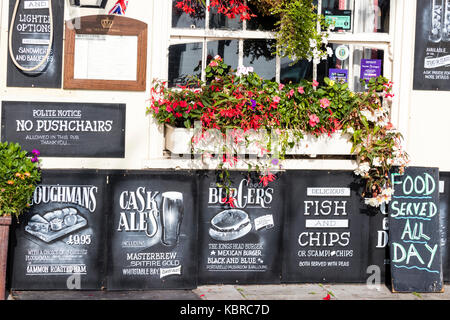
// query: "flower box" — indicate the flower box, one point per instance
point(178, 141)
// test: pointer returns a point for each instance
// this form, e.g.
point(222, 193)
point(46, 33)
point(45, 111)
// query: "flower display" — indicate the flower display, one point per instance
point(238, 110)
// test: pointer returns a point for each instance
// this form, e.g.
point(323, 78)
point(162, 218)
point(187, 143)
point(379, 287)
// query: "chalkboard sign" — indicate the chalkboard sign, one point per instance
point(30, 40)
point(416, 262)
point(60, 243)
point(444, 212)
point(240, 241)
point(326, 236)
point(152, 231)
point(74, 130)
point(432, 48)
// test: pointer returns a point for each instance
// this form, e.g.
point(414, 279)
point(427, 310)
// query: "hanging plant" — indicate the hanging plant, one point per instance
point(297, 33)
point(229, 8)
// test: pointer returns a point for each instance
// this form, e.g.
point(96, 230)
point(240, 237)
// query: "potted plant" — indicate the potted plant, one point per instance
point(19, 175)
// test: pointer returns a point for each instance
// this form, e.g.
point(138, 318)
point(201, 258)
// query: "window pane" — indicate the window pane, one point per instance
point(294, 73)
point(184, 60)
point(220, 21)
point(340, 12)
point(180, 19)
point(262, 21)
point(335, 67)
point(258, 54)
point(368, 63)
point(227, 49)
point(373, 16)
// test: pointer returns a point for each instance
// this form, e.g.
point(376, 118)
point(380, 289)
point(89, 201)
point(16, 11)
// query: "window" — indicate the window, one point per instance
point(363, 31)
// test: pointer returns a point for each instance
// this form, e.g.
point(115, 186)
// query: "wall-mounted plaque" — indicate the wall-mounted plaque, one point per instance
point(106, 52)
point(240, 242)
point(77, 130)
point(152, 231)
point(326, 236)
point(60, 243)
point(30, 40)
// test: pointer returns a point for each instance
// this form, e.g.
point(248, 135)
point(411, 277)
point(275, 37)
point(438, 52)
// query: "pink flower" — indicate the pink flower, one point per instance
point(281, 86)
point(313, 120)
point(213, 64)
point(300, 90)
point(325, 103)
point(291, 93)
point(217, 57)
point(315, 83)
point(276, 99)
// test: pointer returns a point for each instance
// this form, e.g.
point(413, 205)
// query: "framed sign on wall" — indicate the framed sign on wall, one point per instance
point(106, 53)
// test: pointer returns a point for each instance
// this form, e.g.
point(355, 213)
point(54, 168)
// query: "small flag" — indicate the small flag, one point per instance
point(119, 8)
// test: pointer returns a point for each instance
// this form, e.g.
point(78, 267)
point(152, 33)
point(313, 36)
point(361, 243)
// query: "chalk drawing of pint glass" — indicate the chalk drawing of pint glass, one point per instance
point(171, 217)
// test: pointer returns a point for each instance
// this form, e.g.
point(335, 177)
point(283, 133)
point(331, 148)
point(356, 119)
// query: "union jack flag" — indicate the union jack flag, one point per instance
point(119, 8)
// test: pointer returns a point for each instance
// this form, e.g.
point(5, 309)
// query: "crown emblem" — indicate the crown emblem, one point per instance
point(107, 23)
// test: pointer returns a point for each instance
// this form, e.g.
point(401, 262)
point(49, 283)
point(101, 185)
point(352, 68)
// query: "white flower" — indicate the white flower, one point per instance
point(312, 43)
point(369, 116)
point(376, 162)
point(373, 202)
point(330, 51)
point(350, 130)
point(362, 169)
point(250, 69)
point(325, 39)
point(388, 192)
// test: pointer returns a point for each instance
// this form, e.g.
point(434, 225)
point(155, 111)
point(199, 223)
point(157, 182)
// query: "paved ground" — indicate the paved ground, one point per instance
point(240, 292)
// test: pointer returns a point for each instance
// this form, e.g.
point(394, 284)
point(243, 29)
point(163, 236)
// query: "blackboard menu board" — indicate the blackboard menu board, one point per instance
point(152, 231)
point(378, 250)
point(240, 242)
point(60, 243)
point(432, 48)
point(444, 212)
point(416, 261)
point(326, 236)
point(30, 40)
point(92, 130)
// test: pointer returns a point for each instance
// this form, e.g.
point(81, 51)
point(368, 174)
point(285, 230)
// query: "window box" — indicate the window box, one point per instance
point(178, 141)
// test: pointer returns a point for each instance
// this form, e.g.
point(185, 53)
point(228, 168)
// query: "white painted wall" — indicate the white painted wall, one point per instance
point(422, 116)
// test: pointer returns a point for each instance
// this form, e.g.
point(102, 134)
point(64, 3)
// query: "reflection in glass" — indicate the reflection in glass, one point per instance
point(360, 53)
point(227, 49)
point(373, 16)
point(262, 21)
point(220, 21)
point(180, 19)
point(258, 54)
point(185, 60)
point(294, 73)
point(329, 67)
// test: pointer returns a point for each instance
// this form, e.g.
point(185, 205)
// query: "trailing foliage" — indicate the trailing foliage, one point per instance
point(238, 109)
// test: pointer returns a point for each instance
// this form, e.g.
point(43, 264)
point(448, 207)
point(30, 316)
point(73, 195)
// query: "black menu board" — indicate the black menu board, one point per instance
point(60, 243)
point(152, 231)
point(30, 40)
point(92, 130)
point(444, 212)
point(240, 239)
point(414, 234)
point(432, 48)
point(326, 236)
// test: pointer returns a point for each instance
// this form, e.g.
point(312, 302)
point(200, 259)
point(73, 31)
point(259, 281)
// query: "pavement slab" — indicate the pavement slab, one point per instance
point(240, 292)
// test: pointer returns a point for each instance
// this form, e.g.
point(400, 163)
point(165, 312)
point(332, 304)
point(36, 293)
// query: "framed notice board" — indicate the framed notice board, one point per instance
point(105, 53)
